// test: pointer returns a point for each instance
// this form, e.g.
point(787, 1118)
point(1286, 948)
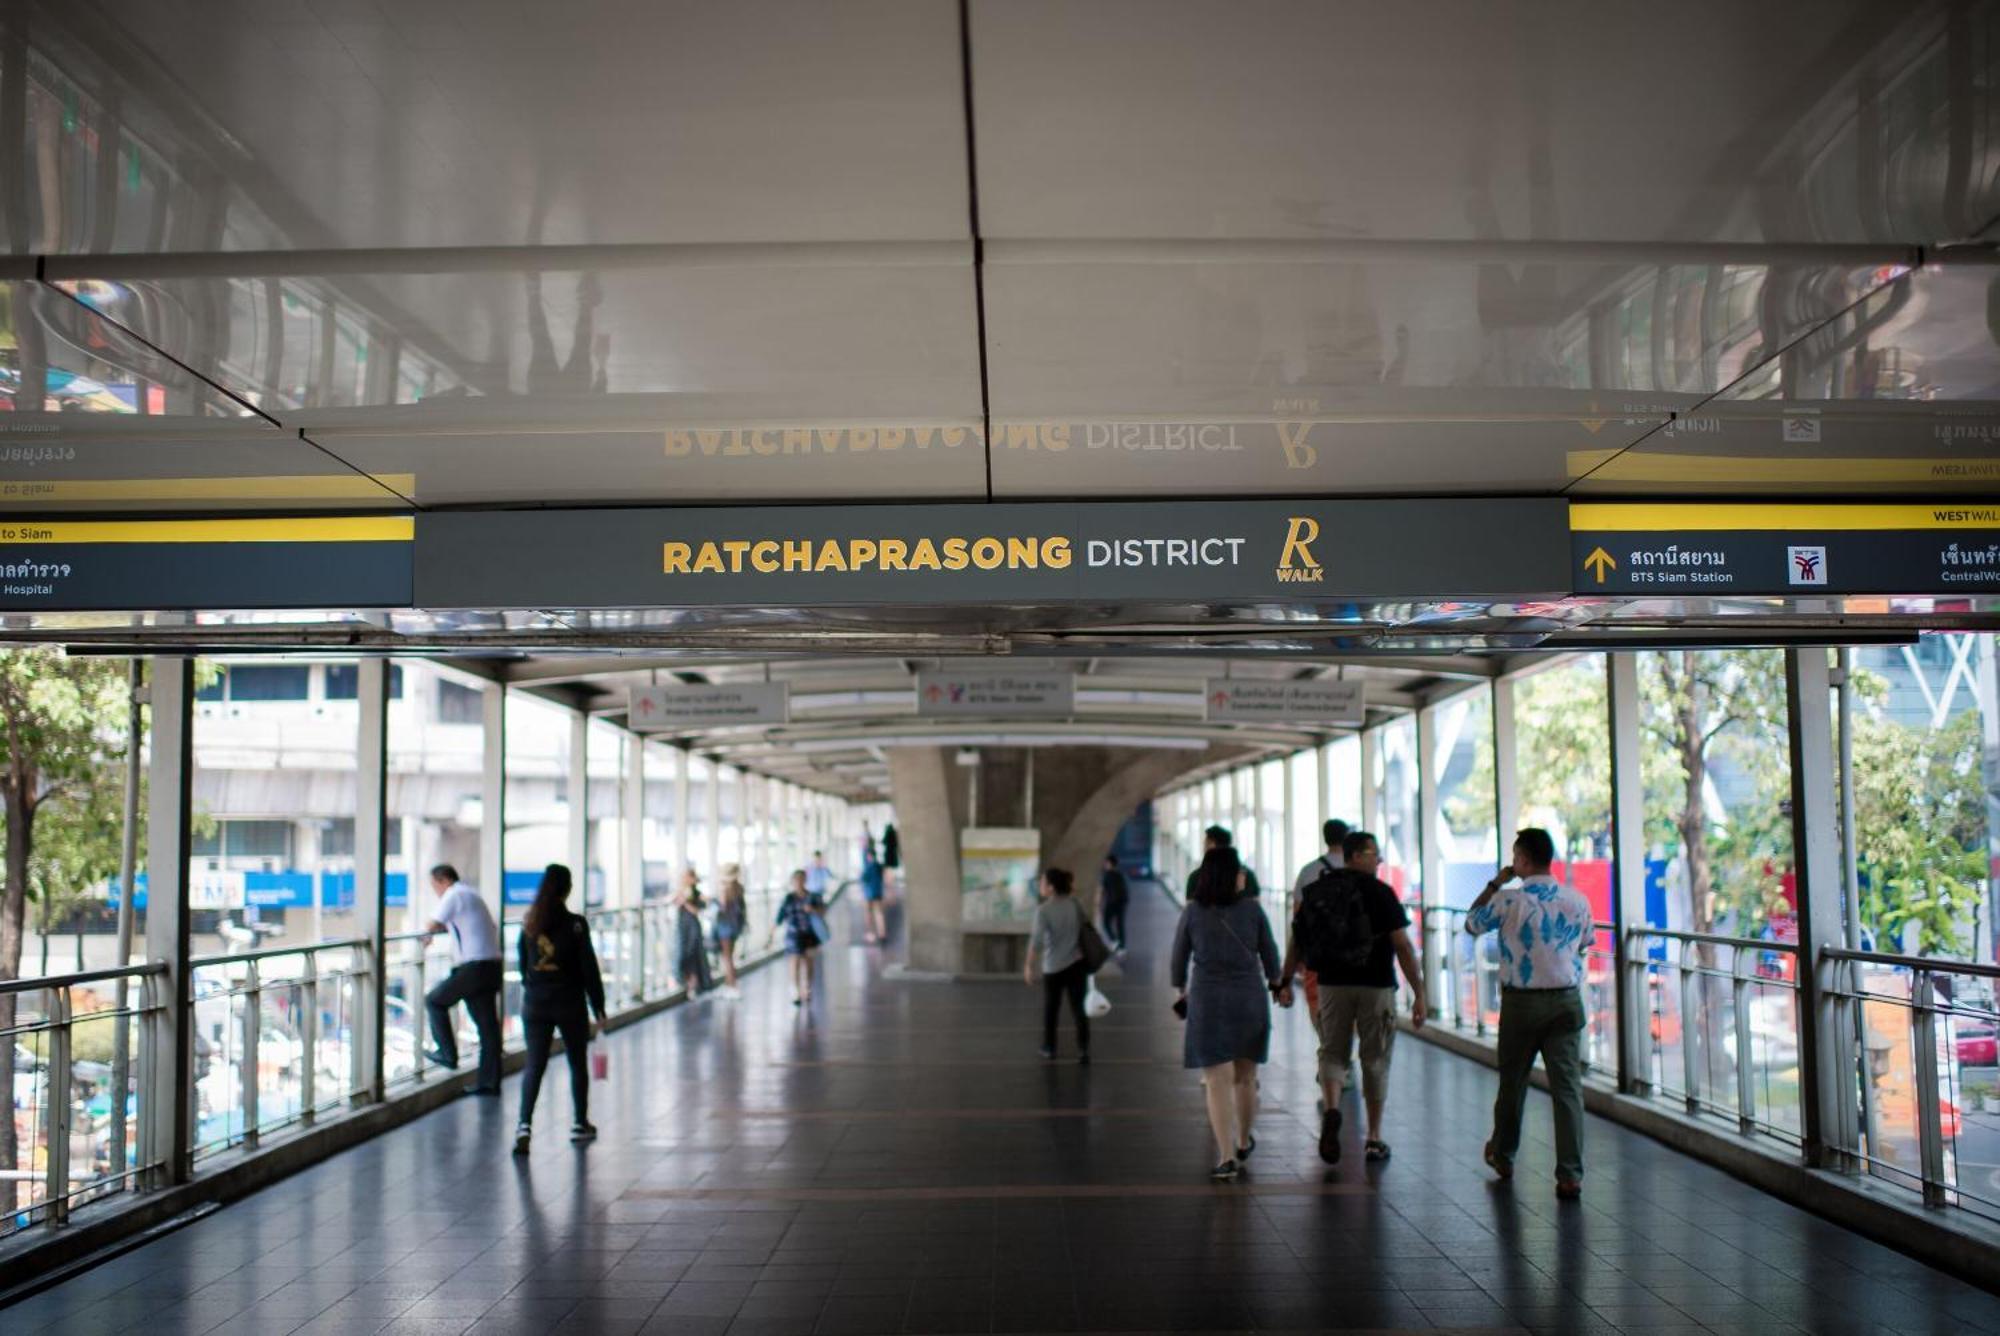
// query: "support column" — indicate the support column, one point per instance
point(632, 881)
point(1370, 818)
point(578, 843)
point(371, 900)
point(1628, 872)
point(922, 780)
point(683, 833)
point(1826, 1046)
point(1506, 772)
point(1258, 831)
point(1323, 758)
point(714, 862)
point(1430, 851)
point(493, 801)
point(1288, 856)
point(167, 1076)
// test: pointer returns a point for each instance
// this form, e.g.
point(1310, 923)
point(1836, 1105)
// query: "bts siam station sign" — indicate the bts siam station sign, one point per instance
point(1002, 553)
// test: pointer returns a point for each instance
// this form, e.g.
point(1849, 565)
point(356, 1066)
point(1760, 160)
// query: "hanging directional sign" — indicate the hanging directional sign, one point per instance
point(707, 705)
point(143, 565)
point(1239, 700)
point(1678, 549)
point(997, 693)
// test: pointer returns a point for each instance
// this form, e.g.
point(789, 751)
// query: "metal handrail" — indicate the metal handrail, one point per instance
point(1711, 939)
point(1928, 963)
point(143, 969)
point(273, 952)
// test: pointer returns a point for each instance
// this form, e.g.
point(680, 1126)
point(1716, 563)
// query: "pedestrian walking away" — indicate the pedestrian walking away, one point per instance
point(1055, 941)
point(1225, 968)
point(732, 919)
point(1113, 895)
point(690, 952)
point(1352, 930)
point(1333, 832)
point(873, 890)
point(561, 989)
point(1544, 930)
point(475, 977)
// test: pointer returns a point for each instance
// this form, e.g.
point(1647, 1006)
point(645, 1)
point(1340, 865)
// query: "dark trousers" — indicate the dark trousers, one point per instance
point(1074, 981)
point(477, 984)
point(574, 1026)
point(1548, 1021)
point(1114, 922)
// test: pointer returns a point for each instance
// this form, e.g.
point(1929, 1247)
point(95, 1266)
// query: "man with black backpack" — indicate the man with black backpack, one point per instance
point(1350, 928)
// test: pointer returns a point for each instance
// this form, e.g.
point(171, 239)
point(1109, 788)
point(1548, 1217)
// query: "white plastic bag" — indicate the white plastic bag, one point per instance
point(1095, 1004)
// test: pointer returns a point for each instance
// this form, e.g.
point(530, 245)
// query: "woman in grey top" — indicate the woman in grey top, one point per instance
point(1225, 963)
point(1057, 940)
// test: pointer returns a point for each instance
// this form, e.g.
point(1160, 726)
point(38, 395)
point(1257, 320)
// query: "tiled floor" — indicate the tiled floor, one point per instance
point(898, 1160)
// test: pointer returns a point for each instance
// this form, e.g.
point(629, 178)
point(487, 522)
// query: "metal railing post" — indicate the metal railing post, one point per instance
point(1746, 1086)
point(60, 1112)
point(309, 1038)
point(1690, 981)
point(253, 1007)
point(1930, 1117)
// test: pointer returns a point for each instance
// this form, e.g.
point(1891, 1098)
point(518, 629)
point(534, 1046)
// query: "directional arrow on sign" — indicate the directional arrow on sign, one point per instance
point(1600, 563)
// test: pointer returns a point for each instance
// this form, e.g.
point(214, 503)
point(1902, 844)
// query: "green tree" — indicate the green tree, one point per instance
point(1919, 824)
point(63, 724)
point(1562, 753)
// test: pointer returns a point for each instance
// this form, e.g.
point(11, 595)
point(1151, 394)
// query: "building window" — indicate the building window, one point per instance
point(459, 704)
point(337, 840)
point(343, 681)
point(259, 681)
point(247, 839)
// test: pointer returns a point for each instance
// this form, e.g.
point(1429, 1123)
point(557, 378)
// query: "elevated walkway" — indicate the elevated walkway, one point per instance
point(895, 1159)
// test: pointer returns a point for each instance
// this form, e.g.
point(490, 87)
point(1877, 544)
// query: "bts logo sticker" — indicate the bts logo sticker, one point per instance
point(1805, 565)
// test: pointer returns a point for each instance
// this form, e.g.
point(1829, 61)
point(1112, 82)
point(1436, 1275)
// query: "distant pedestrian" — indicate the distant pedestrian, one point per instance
point(1055, 941)
point(690, 954)
point(872, 893)
point(1112, 897)
point(1332, 860)
point(475, 978)
point(1351, 927)
point(1225, 964)
point(799, 916)
point(561, 988)
point(819, 877)
point(732, 918)
point(1545, 930)
point(1218, 837)
point(892, 847)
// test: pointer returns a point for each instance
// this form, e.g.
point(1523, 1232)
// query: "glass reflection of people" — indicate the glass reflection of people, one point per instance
point(583, 371)
point(561, 987)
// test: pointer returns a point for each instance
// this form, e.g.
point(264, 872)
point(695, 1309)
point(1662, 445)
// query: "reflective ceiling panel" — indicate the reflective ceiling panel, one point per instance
point(94, 419)
point(282, 124)
point(1898, 392)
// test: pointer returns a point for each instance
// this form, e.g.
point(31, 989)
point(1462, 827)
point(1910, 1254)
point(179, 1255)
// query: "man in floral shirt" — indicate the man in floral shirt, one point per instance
point(1544, 929)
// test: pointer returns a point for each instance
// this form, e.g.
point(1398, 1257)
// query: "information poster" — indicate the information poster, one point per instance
point(998, 870)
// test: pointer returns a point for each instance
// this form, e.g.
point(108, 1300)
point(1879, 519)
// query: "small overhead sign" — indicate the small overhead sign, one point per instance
point(996, 693)
point(1676, 549)
point(1234, 700)
point(706, 705)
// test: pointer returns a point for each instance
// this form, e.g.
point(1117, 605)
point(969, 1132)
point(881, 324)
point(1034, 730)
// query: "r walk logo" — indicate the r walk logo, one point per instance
point(1296, 564)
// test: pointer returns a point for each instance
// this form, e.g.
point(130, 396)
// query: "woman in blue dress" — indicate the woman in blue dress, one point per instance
point(799, 918)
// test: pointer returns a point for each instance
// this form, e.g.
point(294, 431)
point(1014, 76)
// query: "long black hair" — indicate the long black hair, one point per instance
point(1215, 881)
point(549, 898)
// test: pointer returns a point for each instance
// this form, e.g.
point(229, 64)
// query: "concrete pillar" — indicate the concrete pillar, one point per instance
point(1826, 1039)
point(371, 913)
point(923, 782)
point(167, 1053)
point(492, 803)
point(1430, 850)
point(1628, 889)
point(578, 843)
point(632, 881)
point(1506, 771)
point(1371, 820)
point(683, 835)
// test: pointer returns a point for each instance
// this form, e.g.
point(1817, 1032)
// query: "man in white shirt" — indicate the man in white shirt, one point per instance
point(1544, 932)
point(1334, 832)
point(475, 979)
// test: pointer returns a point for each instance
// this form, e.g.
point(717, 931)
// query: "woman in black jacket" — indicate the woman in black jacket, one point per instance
point(559, 980)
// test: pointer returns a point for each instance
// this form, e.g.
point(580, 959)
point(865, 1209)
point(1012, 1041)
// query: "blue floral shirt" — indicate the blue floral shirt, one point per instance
point(1544, 930)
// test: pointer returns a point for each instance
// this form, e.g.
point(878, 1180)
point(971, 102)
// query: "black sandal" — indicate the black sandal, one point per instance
point(1375, 1150)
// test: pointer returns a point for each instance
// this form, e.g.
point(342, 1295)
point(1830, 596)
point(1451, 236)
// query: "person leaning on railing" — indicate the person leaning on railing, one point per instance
point(1544, 930)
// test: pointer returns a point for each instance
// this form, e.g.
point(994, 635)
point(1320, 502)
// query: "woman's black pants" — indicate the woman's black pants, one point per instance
point(1073, 981)
point(540, 1031)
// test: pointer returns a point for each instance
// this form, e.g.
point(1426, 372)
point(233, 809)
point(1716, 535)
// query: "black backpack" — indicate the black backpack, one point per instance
point(1335, 931)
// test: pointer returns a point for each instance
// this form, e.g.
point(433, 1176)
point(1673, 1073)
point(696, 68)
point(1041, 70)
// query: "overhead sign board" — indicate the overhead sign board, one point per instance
point(1235, 700)
point(1785, 549)
point(707, 705)
point(996, 693)
point(1006, 553)
point(145, 565)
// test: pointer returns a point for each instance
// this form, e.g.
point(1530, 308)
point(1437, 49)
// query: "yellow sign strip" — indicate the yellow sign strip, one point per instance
point(321, 529)
point(1642, 466)
point(1678, 517)
point(317, 487)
